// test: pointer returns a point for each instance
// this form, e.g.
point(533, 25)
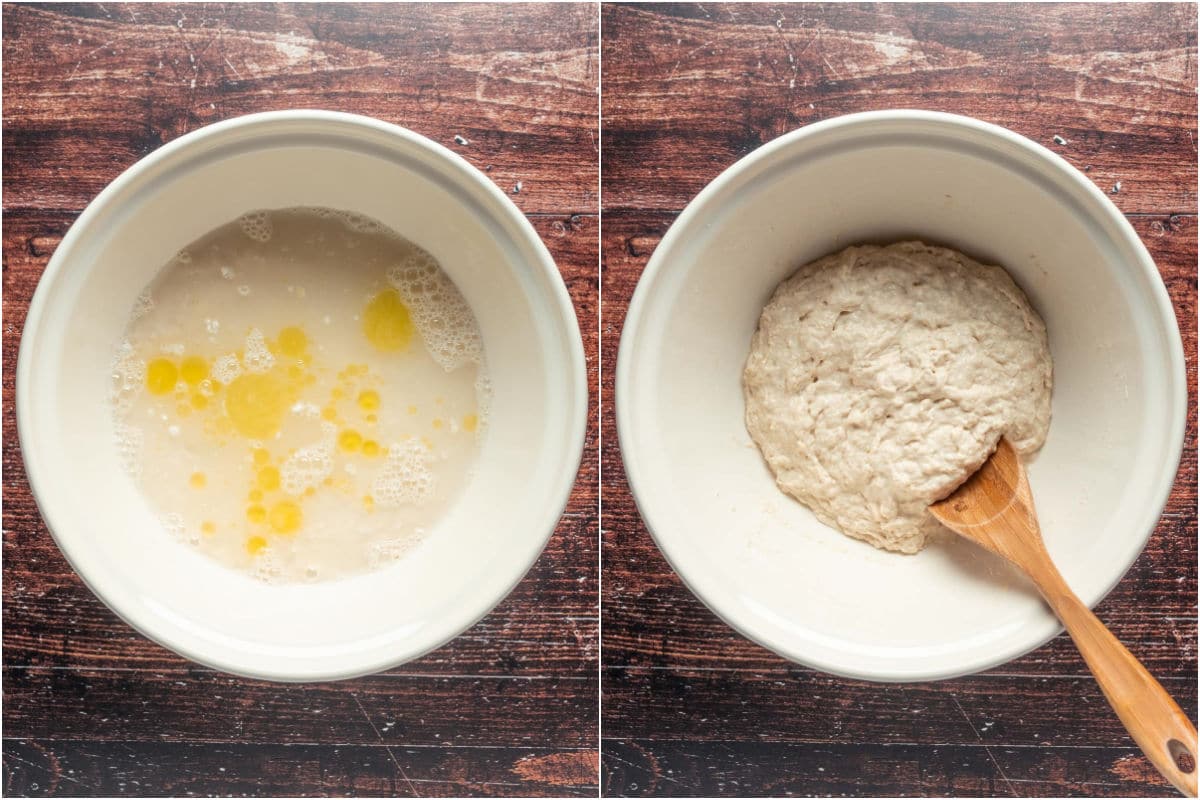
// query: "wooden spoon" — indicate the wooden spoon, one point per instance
point(994, 508)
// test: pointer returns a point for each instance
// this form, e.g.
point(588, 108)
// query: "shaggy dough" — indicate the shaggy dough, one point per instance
point(880, 378)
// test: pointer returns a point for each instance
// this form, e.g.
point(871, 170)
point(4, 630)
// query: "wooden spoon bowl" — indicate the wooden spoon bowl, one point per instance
point(994, 509)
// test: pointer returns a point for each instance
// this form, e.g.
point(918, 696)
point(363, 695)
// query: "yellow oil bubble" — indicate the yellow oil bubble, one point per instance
point(337, 393)
point(412, 410)
point(255, 545)
point(161, 376)
point(193, 370)
point(310, 491)
point(285, 517)
point(437, 423)
point(350, 441)
point(256, 404)
point(370, 448)
point(268, 479)
point(371, 419)
point(198, 480)
point(470, 422)
point(256, 514)
point(368, 502)
point(425, 440)
point(387, 322)
point(208, 527)
point(261, 456)
point(199, 402)
point(183, 409)
point(255, 495)
point(329, 413)
point(368, 400)
point(295, 372)
point(293, 342)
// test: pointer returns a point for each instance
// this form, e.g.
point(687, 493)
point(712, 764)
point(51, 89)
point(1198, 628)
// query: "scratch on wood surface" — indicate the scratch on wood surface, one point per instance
point(1037, 781)
point(379, 736)
point(685, 56)
point(832, 72)
point(55, 774)
point(655, 772)
point(986, 749)
point(1174, 68)
point(266, 53)
point(234, 69)
point(534, 82)
point(86, 56)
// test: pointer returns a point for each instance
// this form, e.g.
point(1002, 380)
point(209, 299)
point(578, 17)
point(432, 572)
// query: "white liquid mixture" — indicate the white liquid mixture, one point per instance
point(300, 394)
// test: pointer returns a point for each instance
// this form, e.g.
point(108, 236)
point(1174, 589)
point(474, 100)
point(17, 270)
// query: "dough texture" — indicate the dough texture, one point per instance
point(880, 378)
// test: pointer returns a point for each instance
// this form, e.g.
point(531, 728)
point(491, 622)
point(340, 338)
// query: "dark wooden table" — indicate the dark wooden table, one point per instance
point(690, 707)
point(90, 707)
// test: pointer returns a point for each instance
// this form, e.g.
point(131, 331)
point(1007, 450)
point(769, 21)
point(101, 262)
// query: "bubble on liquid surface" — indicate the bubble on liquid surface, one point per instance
point(142, 306)
point(306, 468)
point(130, 439)
point(129, 374)
point(359, 224)
point(258, 357)
point(227, 368)
point(483, 401)
point(405, 477)
point(306, 410)
point(267, 567)
point(256, 225)
point(172, 523)
point(439, 311)
point(387, 551)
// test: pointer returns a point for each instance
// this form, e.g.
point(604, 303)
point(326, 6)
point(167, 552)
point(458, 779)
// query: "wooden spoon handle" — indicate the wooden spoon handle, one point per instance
point(1153, 719)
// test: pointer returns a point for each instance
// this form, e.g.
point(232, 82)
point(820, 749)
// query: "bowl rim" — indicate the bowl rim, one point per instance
point(1162, 311)
point(176, 154)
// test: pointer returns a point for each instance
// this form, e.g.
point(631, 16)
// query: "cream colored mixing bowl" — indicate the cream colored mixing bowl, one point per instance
point(759, 559)
point(499, 523)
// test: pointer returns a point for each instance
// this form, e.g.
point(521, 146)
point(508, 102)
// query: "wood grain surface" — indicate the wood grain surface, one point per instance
point(690, 707)
point(90, 707)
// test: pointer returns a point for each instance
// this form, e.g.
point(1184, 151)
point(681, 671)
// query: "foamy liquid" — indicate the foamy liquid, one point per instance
point(300, 394)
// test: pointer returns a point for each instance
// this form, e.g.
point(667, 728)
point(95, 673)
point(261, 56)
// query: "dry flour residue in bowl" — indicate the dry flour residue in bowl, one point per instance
point(881, 377)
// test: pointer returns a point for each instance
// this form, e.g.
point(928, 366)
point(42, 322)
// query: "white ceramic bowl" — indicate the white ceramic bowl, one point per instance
point(759, 559)
point(528, 459)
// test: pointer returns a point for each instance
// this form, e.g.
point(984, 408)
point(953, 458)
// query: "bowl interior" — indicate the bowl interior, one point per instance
point(527, 461)
point(759, 558)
